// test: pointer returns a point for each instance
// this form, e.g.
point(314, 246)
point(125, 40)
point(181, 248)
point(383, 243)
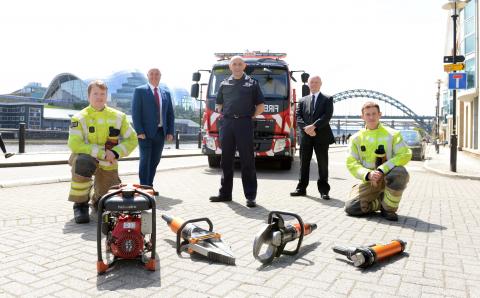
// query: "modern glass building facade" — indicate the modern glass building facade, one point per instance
point(121, 86)
point(66, 88)
point(12, 114)
point(467, 105)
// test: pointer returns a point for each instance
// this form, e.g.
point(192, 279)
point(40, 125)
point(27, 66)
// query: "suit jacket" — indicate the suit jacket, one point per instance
point(145, 111)
point(322, 113)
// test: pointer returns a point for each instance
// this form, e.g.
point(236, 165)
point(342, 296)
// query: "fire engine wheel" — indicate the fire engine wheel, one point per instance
point(214, 161)
point(286, 164)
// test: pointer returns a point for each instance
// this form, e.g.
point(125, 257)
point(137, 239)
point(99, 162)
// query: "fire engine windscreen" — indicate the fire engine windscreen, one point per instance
point(273, 81)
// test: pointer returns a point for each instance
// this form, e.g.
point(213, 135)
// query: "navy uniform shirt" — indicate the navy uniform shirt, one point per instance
point(239, 97)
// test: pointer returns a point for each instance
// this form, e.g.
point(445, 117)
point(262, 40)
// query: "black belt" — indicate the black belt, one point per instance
point(235, 116)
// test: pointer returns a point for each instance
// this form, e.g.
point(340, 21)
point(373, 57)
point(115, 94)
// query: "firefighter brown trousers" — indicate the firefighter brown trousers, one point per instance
point(84, 167)
point(366, 197)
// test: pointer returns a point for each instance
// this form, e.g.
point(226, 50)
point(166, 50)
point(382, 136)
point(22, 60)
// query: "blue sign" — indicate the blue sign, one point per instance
point(457, 80)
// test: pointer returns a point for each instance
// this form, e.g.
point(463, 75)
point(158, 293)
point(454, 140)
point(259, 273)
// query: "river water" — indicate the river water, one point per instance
point(62, 147)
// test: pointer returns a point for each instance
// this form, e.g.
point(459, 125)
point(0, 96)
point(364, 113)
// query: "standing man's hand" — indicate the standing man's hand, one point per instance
point(310, 130)
point(169, 137)
point(218, 108)
point(141, 136)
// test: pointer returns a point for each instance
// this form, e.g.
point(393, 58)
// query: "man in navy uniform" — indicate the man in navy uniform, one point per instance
point(240, 100)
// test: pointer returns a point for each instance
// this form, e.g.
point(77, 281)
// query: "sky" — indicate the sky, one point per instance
point(394, 47)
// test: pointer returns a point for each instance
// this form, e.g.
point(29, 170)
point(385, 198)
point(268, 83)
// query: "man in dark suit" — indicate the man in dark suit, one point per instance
point(153, 119)
point(313, 118)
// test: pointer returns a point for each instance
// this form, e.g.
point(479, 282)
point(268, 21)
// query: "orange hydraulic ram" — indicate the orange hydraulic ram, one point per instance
point(365, 256)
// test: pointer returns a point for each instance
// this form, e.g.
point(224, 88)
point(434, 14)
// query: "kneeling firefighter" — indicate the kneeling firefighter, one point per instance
point(377, 157)
point(98, 137)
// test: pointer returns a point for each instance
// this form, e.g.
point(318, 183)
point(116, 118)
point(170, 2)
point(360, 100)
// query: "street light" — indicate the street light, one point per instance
point(454, 5)
point(437, 117)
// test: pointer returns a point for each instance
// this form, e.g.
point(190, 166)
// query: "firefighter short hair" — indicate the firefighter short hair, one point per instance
point(96, 83)
point(370, 104)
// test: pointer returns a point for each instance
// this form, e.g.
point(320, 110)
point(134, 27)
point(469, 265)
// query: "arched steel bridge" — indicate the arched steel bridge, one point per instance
point(385, 98)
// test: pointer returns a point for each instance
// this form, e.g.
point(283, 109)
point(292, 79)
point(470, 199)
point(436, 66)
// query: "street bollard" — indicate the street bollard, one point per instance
point(21, 138)
point(177, 139)
point(199, 139)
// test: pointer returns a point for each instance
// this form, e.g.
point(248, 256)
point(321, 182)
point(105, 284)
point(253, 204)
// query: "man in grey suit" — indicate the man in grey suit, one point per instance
point(313, 118)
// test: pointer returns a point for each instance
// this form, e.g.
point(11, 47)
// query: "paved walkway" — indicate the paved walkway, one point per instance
point(44, 253)
point(468, 164)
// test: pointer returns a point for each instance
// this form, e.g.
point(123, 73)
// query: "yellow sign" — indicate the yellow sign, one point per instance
point(453, 67)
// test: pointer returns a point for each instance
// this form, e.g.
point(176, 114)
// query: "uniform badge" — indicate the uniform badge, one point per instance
point(74, 124)
point(91, 129)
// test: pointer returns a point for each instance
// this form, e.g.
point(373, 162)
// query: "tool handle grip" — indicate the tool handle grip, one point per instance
point(343, 250)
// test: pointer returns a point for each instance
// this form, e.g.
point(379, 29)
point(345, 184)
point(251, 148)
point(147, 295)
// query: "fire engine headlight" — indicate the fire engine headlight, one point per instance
point(279, 145)
point(211, 143)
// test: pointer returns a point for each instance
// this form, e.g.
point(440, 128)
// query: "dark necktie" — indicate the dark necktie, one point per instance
point(157, 101)
point(312, 109)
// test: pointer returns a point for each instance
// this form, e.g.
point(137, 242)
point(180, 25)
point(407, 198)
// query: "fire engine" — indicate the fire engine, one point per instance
point(275, 134)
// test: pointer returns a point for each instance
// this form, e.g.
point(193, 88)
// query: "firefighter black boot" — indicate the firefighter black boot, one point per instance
point(80, 213)
point(392, 216)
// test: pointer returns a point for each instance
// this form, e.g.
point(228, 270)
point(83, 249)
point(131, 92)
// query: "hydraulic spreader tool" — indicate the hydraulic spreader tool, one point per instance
point(270, 242)
point(126, 216)
point(366, 256)
point(198, 240)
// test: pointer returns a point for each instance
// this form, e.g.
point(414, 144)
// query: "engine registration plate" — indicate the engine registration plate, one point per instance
point(129, 225)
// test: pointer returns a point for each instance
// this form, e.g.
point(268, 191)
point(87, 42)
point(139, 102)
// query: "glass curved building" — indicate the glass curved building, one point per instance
point(66, 88)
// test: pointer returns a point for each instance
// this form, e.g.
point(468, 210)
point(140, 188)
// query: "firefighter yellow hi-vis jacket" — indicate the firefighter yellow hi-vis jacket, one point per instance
point(90, 129)
point(361, 155)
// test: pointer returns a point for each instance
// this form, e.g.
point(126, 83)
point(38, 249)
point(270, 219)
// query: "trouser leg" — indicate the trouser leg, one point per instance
point(227, 141)
point(321, 152)
point(156, 154)
point(103, 181)
point(364, 199)
point(395, 183)
point(2, 145)
point(244, 141)
point(144, 167)
point(306, 151)
point(83, 167)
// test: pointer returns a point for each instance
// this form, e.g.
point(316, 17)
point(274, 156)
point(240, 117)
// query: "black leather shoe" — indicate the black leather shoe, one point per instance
point(392, 216)
point(80, 213)
point(251, 203)
point(7, 155)
point(298, 193)
point(325, 196)
point(220, 199)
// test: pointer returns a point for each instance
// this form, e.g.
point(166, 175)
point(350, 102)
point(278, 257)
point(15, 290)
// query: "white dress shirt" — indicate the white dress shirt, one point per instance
point(160, 123)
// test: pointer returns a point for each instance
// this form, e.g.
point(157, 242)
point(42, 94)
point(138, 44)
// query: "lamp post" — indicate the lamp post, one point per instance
point(437, 118)
point(454, 5)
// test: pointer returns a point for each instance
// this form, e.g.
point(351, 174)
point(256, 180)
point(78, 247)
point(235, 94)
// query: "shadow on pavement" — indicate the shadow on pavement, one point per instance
point(285, 260)
point(129, 274)
point(166, 203)
point(258, 212)
point(409, 222)
point(88, 231)
point(332, 202)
